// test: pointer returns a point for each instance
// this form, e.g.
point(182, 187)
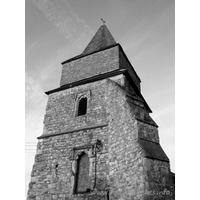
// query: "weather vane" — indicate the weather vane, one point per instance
point(103, 21)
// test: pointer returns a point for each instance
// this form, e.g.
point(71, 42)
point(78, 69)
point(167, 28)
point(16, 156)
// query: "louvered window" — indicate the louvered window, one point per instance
point(82, 106)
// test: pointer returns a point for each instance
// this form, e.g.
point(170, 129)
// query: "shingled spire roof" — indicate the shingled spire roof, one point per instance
point(101, 40)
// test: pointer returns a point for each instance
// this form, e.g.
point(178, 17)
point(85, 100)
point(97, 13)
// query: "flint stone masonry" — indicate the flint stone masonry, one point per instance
point(120, 141)
point(61, 108)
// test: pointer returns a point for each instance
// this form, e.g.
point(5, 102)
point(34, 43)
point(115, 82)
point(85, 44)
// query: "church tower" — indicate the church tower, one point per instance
point(99, 141)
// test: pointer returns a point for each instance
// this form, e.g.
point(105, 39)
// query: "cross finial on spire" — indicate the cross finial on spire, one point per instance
point(103, 21)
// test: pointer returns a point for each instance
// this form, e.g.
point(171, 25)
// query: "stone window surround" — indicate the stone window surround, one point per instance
point(75, 153)
point(82, 177)
point(79, 96)
point(91, 150)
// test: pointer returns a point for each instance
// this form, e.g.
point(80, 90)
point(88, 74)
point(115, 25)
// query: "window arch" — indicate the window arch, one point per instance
point(82, 176)
point(82, 106)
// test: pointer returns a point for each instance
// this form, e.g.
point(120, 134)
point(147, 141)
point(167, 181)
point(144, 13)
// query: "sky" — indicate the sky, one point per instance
point(58, 30)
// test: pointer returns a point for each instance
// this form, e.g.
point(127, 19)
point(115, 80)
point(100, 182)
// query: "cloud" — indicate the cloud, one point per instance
point(153, 31)
point(60, 14)
point(164, 117)
point(161, 112)
point(33, 90)
point(35, 108)
point(31, 47)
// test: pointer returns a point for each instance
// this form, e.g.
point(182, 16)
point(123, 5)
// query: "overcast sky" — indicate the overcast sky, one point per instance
point(58, 30)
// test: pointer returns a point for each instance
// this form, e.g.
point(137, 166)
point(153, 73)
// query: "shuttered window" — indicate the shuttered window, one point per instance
point(82, 106)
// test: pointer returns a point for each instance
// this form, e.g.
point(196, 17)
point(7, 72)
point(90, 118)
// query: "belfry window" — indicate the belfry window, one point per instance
point(82, 176)
point(82, 106)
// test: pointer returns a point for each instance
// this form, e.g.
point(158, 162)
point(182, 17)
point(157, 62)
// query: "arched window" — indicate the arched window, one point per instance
point(82, 106)
point(82, 176)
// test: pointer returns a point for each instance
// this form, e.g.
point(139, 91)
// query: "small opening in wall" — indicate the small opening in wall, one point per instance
point(82, 106)
point(56, 166)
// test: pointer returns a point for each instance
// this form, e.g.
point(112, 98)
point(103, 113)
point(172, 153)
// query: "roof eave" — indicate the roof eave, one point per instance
point(88, 80)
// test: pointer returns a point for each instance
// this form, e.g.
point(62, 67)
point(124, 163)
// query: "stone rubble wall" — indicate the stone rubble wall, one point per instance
point(126, 173)
point(159, 181)
point(131, 174)
point(61, 108)
point(52, 174)
point(148, 132)
point(58, 181)
point(122, 168)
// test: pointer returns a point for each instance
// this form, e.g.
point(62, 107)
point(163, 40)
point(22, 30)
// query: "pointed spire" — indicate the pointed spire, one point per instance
point(101, 40)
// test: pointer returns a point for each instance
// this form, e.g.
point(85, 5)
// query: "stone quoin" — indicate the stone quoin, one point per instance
point(99, 140)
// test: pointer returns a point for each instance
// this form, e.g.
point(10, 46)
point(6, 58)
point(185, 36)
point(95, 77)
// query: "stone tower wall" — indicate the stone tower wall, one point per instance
point(126, 173)
point(53, 173)
point(132, 174)
point(61, 108)
point(54, 170)
point(121, 167)
point(159, 180)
